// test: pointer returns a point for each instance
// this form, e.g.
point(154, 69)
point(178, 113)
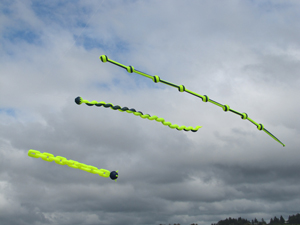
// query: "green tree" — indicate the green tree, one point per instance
point(294, 219)
point(276, 220)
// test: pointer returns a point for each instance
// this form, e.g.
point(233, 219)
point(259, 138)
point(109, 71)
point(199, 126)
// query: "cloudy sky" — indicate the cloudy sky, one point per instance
point(242, 53)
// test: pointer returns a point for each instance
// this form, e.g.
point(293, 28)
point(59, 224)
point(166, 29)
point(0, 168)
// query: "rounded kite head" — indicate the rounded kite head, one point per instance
point(78, 100)
point(103, 58)
point(113, 175)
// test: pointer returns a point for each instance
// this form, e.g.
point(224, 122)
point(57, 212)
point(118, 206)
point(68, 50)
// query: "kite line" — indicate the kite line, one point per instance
point(79, 101)
point(74, 164)
point(181, 88)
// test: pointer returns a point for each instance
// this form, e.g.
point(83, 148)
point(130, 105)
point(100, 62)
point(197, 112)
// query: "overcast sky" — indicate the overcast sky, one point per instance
point(245, 54)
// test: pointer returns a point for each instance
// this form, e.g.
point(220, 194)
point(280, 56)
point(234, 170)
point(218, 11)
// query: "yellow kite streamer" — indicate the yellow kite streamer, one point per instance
point(74, 164)
point(79, 101)
point(182, 88)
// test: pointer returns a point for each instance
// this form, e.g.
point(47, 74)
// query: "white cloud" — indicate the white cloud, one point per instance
point(243, 53)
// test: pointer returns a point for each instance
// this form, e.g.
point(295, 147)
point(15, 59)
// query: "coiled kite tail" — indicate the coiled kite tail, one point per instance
point(79, 101)
point(74, 164)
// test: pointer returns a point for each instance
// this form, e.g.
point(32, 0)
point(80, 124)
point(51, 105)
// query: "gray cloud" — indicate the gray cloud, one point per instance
point(241, 53)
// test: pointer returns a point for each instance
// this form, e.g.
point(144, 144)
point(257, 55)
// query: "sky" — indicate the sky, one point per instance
point(245, 54)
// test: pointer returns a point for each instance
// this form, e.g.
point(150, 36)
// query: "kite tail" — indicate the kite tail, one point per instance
point(74, 164)
point(182, 88)
point(79, 101)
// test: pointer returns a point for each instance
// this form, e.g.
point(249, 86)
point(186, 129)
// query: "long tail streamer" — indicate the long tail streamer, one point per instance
point(74, 164)
point(181, 88)
point(79, 101)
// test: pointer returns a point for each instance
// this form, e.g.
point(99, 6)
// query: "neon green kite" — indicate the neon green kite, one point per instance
point(79, 101)
point(74, 164)
point(181, 88)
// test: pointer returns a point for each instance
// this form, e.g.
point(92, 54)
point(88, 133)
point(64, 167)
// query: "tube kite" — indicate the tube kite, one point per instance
point(74, 164)
point(79, 101)
point(181, 88)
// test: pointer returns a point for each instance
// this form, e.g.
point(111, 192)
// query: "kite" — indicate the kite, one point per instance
point(74, 164)
point(79, 101)
point(181, 88)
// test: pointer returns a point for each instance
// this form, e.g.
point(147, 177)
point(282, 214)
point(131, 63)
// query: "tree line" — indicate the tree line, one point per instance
point(292, 220)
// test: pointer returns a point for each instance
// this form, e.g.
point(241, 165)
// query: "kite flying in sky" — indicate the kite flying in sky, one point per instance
point(79, 101)
point(114, 174)
point(74, 164)
point(181, 88)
